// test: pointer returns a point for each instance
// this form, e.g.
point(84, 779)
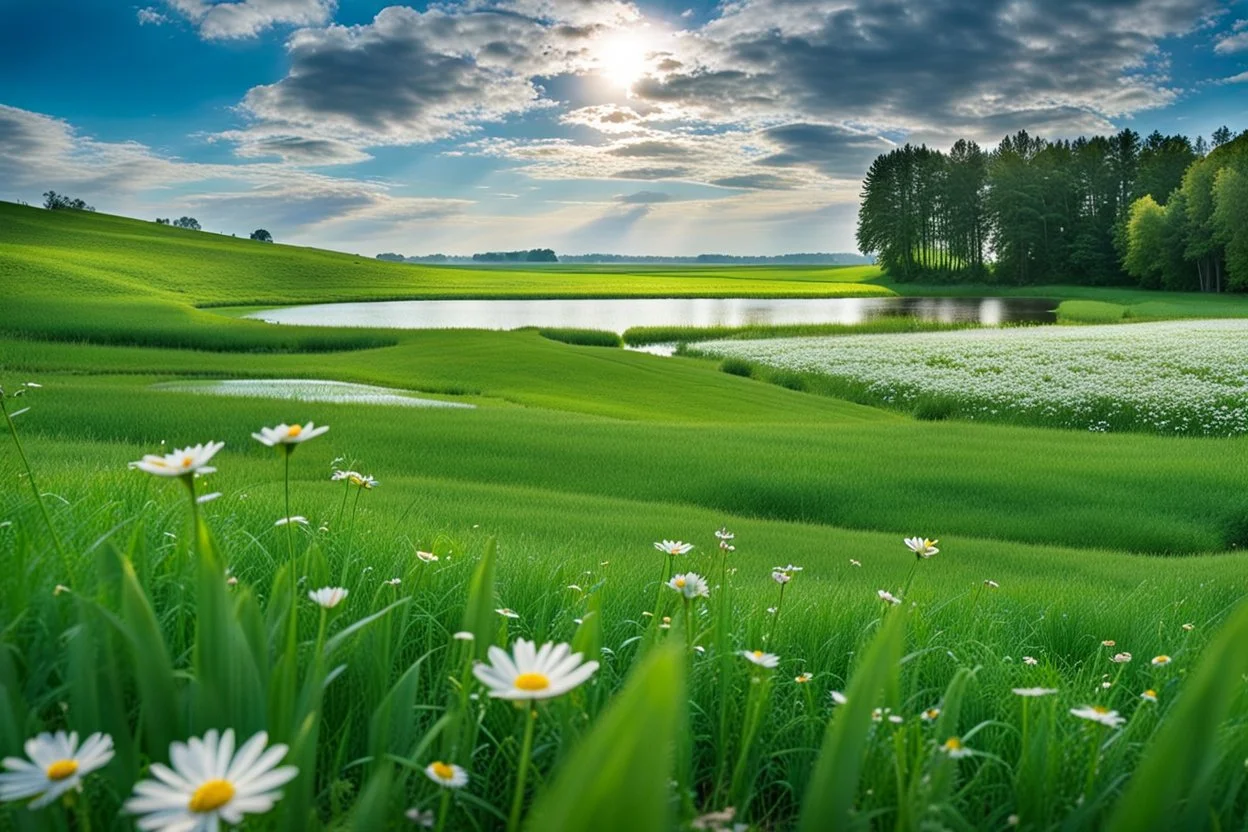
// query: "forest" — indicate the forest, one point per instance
point(1157, 212)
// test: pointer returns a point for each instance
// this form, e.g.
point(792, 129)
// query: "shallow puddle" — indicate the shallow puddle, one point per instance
point(307, 390)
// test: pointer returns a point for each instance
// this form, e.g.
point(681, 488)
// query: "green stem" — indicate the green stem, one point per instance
point(905, 591)
point(526, 749)
point(1092, 764)
point(30, 477)
point(775, 619)
point(688, 627)
point(443, 809)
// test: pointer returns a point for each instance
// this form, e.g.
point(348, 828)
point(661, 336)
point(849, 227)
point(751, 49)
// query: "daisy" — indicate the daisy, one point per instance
point(803, 678)
point(1030, 661)
point(1034, 691)
point(690, 585)
point(340, 475)
point(955, 749)
point(673, 547)
point(426, 557)
point(1120, 658)
point(837, 697)
point(781, 577)
point(394, 581)
point(447, 775)
point(1161, 661)
point(1099, 713)
point(210, 783)
point(298, 520)
point(426, 818)
point(887, 596)
point(1149, 695)
point(363, 480)
point(57, 764)
point(183, 462)
point(666, 623)
point(724, 536)
point(758, 657)
point(507, 612)
point(930, 714)
point(922, 547)
point(531, 672)
point(788, 570)
point(288, 435)
point(328, 597)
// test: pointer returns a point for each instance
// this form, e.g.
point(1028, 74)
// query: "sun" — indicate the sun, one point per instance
point(621, 59)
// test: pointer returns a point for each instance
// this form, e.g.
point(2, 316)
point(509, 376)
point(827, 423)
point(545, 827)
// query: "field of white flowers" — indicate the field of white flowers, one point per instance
point(1185, 377)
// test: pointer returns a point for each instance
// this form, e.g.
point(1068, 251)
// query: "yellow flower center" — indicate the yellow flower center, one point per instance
point(62, 769)
point(187, 461)
point(953, 744)
point(532, 681)
point(1151, 693)
point(680, 583)
point(758, 654)
point(1100, 709)
point(443, 771)
point(1162, 660)
point(212, 795)
point(294, 430)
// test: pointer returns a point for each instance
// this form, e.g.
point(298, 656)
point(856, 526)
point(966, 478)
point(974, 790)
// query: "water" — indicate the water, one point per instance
point(617, 315)
point(307, 390)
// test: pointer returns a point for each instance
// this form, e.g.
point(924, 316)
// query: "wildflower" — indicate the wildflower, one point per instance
point(837, 697)
point(853, 562)
point(758, 657)
point(698, 648)
point(60, 589)
point(183, 462)
point(771, 610)
point(724, 534)
point(340, 475)
point(328, 597)
point(533, 673)
point(210, 783)
point(1120, 658)
point(803, 678)
point(1109, 642)
point(895, 719)
point(1034, 691)
point(788, 570)
point(297, 519)
point(992, 584)
point(1030, 661)
point(690, 585)
point(426, 557)
point(877, 715)
point(666, 623)
point(447, 775)
point(363, 481)
point(426, 818)
point(1107, 685)
point(288, 435)
point(464, 635)
point(781, 577)
point(507, 612)
point(1189, 627)
point(922, 547)
point(673, 547)
point(930, 714)
point(887, 596)
point(1149, 695)
point(57, 764)
point(955, 749)
point(394, 581)
point(1161, 661)
point(1099, 713)
point(231, 581)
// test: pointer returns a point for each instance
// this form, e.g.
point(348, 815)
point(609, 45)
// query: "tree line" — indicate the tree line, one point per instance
point(1161, 211)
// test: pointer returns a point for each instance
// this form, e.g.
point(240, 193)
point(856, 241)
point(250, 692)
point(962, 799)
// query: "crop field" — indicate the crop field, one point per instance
point(1185, 377)
point(1062, 648)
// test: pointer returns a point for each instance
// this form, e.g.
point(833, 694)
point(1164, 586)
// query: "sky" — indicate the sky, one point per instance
point(659, 127)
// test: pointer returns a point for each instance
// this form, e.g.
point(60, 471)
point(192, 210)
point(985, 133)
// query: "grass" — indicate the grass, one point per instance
point(547, 499)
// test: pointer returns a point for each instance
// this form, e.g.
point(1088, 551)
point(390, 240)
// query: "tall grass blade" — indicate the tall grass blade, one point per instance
point(479, 616)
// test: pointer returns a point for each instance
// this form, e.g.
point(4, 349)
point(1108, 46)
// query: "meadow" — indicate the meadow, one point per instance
point(988, 698)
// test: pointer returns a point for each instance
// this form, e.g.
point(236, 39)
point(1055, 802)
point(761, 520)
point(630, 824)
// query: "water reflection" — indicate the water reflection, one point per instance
point(617, 315)
point(307, 390)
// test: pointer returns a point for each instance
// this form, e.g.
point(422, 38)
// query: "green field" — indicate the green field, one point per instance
point(574, 461)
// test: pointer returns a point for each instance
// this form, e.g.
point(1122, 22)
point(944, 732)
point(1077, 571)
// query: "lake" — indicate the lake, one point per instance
point(620, 314)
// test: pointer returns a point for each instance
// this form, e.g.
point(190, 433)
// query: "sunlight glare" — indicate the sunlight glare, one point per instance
point(622, 59)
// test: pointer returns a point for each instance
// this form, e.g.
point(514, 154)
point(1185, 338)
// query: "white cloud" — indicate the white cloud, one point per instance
point(1233, 41)
point(150, 16)
point(248, 18)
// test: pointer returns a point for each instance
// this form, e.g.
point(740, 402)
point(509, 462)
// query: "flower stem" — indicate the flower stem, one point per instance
point(30, 477)
point(443, 809)
point(526, 749)
point(775, 619)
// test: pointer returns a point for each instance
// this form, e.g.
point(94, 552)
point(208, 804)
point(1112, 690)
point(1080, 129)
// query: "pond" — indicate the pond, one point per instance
point(307, 390)
point(620, 314)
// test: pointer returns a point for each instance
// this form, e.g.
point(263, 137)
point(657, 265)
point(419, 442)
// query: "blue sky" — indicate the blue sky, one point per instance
point(661, 127)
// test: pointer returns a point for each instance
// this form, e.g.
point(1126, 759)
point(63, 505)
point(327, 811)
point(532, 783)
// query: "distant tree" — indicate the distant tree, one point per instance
point(162, 220)
point(262, 235)
point(390, 257)
point(187, 222)
point(1221, 136)
point(1200, 146)
point(1230, 221)
point(60, 202)
point(1163, 161)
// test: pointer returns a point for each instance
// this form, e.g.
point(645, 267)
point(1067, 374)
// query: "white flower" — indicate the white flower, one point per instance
point(394, 581)
point(297, 519)
point(955, 749)
point(1161, 661)
point(285, 434)
point(853, 562)
point(60, 589)
point(464, 635)
point(887, 596)
point(1189, 627)
point(781, 577)
point(690, 585)
point(1120, 658)
point(1149, 695)
point(803, 678)
point(788, 570)
point(1109, 642)
point(1099, 713)
point(837, 697)
point(724, 534)
point(57, 764)
point(930, 714)
point(328, 597)
point(758, 657)
point(340, 475)
point(531, 672)
point(362, 480)
point(1030, 660)
point(507, 612)
point(922, 547)
point(673, 547)
point(427, 557)
point(992, 584)
point(447, 775)
point(1034, 691)
point(210, 783)
point(426, 818)
point(183, 462)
